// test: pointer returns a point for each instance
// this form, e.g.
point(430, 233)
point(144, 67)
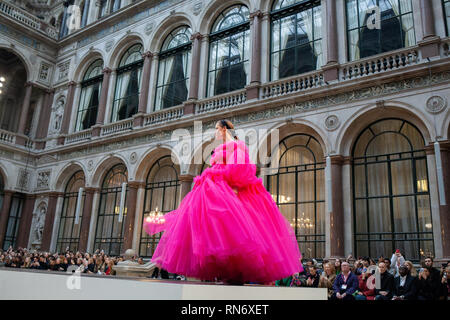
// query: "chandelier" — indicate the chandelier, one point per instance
point(302, 223)
point(155, 216)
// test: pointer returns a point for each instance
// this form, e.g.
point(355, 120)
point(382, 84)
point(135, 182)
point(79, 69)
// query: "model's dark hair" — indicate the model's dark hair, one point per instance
point(229, 125)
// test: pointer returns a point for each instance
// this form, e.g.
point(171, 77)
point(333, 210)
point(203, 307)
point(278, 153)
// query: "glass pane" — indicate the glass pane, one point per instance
point(306, 184)
point(379, 215)
point(352, 14)
point(404, 214)
point(306, 222)
point(402, 177)
point(424, 213)
point(361, 216)
point(377, 179)
point(286, 188)
point(360, 181)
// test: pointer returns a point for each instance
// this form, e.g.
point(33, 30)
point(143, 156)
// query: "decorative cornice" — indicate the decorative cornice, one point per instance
point(147, 54)
point(258, 14)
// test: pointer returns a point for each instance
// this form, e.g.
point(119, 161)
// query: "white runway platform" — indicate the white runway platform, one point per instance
point(22, 284)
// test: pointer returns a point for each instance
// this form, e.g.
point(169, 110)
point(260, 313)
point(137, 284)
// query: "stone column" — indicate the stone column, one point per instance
point(444, 211)
point(189, 105)
point(4, 215)
point(20, 138)
point(429, 45)
point(23, 233)
point(44, 118)
point(143, 95)
point(331, 69)
point(102, 103)
point(186, 185)
point(86, 218)
point(337, 214)
point(50, 220)
point(255, 69)
point(67, 111)
point(131, 214)
point(85, 13)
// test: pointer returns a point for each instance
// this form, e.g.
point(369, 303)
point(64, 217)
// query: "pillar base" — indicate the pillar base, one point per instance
point(253, 91)
point(138, 120)
point(429, 47)
point(331, 72)
point(189, 107)
point(96, 129)
point(20, 140)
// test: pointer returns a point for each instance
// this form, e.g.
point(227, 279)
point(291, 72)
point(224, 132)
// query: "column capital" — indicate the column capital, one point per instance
point(186, 177)
point(257, 14)
point(72, 83)
point(147, 54)
point(50, 90)
point(91, 189)
point(55, 194)
point(28, 84)
point(337, 159)
point(107, 70)
point(197, 36)
point(8, 192)
point(136, 184)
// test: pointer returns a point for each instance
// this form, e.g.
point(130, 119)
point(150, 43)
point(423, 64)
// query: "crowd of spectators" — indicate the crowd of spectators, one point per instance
point(349, 279)
point(364, 279)
point(69, 261)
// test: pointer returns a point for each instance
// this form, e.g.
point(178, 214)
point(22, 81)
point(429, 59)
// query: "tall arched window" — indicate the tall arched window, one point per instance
point(103, 8)
point(390, 190)
point(174, 69)
point(91, 87)
point(397, 27)
point(229, 51)
point(2, 191)
point(128, 84)
point(297, 186)
point(109, 232)
point(69, 230)
point(446, 4)
point(12, 228)
point(162, 192)
point(296, 45)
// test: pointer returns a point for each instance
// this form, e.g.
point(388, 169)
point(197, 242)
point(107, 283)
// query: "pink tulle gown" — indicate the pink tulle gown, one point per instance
point(218, 234)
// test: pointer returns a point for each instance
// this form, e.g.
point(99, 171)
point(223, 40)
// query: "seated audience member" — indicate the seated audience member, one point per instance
point(366, 287)
point(298, 280)
point(411, 269)
point(404, 285)
point(445, 283)
point(426, 289)
point(327, 278)
point(345, 285)
point(313, 277)
point(386, 284)
point(435, 276)
point(337, 266)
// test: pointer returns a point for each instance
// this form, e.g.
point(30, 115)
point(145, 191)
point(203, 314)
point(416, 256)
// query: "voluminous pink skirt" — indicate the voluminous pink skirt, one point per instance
point(216, 234)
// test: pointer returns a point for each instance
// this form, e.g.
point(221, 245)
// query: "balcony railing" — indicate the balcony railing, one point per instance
point(8, 137)
point(27, 19)
point(292, 84)
point(221, 102)
point(380, 63)
point(163, 116)
point(78, 136)
point(115, 127)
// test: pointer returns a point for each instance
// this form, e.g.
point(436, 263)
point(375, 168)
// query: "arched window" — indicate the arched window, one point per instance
point(115, 5)
point(446, 4)
point(91, 87)
point(128, 84)
point(109, 231)
point(390, 190)
point(366, 39)
point(69, 230)
point(297, 185)
point(229, 51)
point(174, 69)
point(12, 228)
point(296, 45)
point(2, 191)
point(162, 192)
point(103, 8)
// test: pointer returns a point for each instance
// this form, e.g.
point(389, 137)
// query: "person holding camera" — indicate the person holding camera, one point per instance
point(426, 289)
point(404, 285)
point(397, 260)
point(444, 281)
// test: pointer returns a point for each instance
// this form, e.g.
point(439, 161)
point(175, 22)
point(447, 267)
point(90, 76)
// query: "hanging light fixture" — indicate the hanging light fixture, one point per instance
point(122, 201)
point(78, 209)
point(155, 217)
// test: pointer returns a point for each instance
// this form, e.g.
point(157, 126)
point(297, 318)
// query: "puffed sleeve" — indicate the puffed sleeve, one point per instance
point(240, 171)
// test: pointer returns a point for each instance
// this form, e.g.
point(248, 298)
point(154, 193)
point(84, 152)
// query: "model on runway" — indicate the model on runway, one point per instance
point(227, 227)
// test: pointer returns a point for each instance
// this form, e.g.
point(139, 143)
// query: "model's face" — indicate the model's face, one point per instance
point(220, 133)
